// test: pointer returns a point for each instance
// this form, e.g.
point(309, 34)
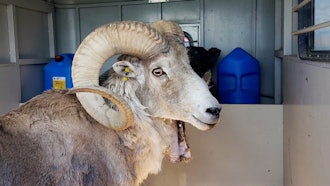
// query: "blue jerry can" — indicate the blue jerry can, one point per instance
point(238, 78)
point(57, 73)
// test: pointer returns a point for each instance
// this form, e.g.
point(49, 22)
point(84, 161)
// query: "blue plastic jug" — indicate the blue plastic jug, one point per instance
point(57, 73)
point(238, 78)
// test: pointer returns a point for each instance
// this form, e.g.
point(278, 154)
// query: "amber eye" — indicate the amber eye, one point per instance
point(158, 72)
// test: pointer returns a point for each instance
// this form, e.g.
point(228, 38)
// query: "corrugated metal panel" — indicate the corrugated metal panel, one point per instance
point(66, 31)
point(228, 24)
point(265, 47)
point(91, 18)
point(32, 32)
point(85, 1)
point(181, 11)
point(27, 38)
point(31, 81)
point(10, 94)
point(141, 12)
point(4, 46)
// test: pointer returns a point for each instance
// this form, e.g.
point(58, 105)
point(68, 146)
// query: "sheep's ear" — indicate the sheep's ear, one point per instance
point(126, 69)
point(207, 77)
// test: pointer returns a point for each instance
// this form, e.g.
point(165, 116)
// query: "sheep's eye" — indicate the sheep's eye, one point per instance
point(158, 72)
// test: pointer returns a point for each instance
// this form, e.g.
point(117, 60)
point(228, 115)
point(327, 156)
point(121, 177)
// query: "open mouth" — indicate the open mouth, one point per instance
point(179, 149)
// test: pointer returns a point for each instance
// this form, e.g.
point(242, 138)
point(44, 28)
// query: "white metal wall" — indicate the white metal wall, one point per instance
point(246, 149)
point(306, 113)
point(80, 19)
point(27, 43)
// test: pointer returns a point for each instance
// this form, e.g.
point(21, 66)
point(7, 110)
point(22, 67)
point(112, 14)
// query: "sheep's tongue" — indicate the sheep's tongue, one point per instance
point(179, 150)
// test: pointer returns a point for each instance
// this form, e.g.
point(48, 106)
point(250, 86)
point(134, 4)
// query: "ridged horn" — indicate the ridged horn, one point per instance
point(127, 37)
point(123, 107)
point(169, 28)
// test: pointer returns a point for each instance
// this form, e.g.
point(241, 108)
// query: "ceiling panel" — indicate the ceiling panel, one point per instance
point(87, 1)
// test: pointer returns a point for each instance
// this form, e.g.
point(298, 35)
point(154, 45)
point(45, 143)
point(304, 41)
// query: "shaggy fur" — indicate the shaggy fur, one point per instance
point(45, 145)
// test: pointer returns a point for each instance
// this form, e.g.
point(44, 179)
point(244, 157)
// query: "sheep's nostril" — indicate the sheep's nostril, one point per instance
point(215, 111)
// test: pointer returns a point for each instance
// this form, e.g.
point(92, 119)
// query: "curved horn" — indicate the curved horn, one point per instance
point(169, 28)
point(118, 101)
point(132, 38)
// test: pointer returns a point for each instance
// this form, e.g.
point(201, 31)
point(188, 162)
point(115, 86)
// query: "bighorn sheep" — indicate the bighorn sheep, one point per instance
point(118, 133)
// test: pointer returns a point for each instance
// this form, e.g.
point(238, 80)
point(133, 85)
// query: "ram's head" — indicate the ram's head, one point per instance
point(165, 83)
